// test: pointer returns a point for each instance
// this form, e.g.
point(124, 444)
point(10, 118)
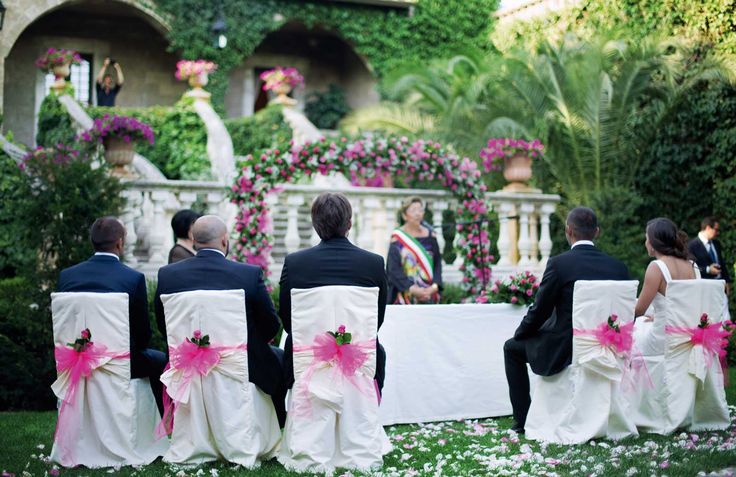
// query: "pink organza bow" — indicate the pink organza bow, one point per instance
point(622, 340)
point(712, 338)
point(78, 365)
point(345, 359)
point(192, 360)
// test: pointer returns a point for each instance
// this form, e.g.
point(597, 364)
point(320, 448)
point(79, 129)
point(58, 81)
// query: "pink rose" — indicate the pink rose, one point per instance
point(529, 292)
point(86, 334)
point(614, 317)
point(197, 334)
point(341, 329)
point(514, 300)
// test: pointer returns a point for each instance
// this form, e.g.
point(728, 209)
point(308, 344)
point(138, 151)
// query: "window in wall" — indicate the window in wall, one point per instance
point(80, 78)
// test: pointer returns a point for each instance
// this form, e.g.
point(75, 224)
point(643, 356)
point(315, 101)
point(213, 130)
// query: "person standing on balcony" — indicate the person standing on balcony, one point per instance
point(106, 92)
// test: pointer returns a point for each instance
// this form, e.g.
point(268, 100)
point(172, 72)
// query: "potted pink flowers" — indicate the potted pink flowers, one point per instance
point(58, 62)
point(118, 134)
point(281, 81)
point(196, 73)
point(515, 157)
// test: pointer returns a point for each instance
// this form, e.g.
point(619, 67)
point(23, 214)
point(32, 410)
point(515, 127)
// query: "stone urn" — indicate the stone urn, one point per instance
point(60, 71)
point(197, 82)
point(282, 90)
point(119, 154)
point(517, 170)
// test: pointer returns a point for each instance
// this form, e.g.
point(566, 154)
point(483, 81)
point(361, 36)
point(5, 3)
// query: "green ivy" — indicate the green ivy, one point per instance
point(386, 37)
point(265, 129)
point(326, 108)
point(54, 123)
point(180, 148)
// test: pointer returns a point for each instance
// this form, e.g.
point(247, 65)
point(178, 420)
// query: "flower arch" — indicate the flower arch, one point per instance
point(368, 158)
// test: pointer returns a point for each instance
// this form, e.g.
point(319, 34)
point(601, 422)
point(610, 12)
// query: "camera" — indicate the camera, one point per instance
point(112, 61)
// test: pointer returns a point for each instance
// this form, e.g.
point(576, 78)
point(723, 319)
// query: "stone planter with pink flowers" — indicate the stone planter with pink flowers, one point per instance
point(58, 62)
point(515, 157)
point(282, 81)
point(196, 73)
point(118, 135)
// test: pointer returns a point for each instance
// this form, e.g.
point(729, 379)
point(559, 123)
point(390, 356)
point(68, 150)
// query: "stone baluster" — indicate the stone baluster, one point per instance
point(503, 244)
point(214, 203)
point(545, 242)
point(187, 198)
point(524, 244)
point(159, 227)
point(380, 229)
point(292, 240)
point(272, 202)
point(133, 200)
point(437, 208)
point(534, 236)
point(365, 234)
point(313, 235)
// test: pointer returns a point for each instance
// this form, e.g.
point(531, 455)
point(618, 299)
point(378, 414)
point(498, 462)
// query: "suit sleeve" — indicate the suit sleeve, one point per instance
point(267, 322)
point(693, 249)
point(382, 292)
point(285, 298)
point(158, 307)
point(544, 303)
point(140, 324)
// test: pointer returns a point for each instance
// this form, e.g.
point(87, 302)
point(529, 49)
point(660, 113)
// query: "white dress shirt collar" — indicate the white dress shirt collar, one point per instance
point(107, 254)
point(703, 238)
point(211, 250)
point(582, 242)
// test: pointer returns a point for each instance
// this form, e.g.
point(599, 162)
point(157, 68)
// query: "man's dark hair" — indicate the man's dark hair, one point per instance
point(331, 213)
point(182, 222)
point(105, 232)
point(709, 222)
point(583, 222)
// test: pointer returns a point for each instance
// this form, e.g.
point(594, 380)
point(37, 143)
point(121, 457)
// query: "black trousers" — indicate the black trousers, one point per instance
point(279, 396)
point(153, 364)
point(515, 360)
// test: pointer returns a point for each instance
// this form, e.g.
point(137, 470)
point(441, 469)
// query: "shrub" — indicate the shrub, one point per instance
point(13, 255)
point(265, 129)
point(326, 108)
point(54, 123)
point(26, 346)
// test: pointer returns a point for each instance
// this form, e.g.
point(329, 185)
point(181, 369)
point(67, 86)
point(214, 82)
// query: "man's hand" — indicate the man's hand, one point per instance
point(714, 269)
point(106, 63)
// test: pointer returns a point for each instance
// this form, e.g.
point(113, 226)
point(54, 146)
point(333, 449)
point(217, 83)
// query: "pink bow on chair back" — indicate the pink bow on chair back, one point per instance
point(621, 341)
point(711, 337)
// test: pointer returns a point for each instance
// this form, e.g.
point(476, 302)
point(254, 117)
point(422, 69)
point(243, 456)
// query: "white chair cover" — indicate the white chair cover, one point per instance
point(585, 400)
point(224, 416)
point(688, 387)
point(117, 415)
point(335, 423)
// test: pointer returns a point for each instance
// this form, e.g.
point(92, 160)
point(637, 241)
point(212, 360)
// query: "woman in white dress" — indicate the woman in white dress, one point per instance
point(668, 246)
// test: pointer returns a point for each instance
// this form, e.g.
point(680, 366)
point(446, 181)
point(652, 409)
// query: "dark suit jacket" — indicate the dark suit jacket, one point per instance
point(703, 260)
point(332, 262)
point(105, 274)
point(209, 270)
point(547, 327)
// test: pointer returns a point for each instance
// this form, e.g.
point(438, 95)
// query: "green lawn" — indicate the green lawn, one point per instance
point(469, 448)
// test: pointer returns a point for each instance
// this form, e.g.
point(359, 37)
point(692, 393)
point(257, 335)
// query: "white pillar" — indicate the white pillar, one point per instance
point(365, 233)
point(132, 208)
point(534, 237)
point(437, 208)
point(504, 210)
point(292, 240)
point(545, 242)
point(524, 244)
point(272, 201)
point(187, 198)
point(157, 255)
point(214, 203)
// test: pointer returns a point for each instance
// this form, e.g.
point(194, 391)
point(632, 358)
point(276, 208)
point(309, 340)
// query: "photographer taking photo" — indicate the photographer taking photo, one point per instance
point(106, 92)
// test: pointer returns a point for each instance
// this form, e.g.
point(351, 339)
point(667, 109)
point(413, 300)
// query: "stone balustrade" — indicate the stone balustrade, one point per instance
point(524, 240)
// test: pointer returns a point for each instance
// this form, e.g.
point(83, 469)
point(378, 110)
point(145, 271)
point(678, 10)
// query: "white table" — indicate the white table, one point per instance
point(445, 362)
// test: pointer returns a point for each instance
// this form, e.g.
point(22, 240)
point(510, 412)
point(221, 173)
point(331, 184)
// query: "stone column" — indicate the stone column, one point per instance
point(545, 242)
point(292, 240)
point(524, 243)
point(504, 210)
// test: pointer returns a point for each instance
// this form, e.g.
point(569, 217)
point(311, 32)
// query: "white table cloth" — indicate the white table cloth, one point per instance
point(445, 362)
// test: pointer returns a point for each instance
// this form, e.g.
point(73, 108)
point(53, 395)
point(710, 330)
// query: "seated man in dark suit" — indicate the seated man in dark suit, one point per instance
point(335, 261)
point(708, 253)
point(210, 270)
point(104, 273)
point(544, 337)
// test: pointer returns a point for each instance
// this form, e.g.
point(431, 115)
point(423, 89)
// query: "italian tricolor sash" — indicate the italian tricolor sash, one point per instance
point(424, 260)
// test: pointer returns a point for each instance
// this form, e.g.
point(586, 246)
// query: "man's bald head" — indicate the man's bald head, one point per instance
point(209, 231)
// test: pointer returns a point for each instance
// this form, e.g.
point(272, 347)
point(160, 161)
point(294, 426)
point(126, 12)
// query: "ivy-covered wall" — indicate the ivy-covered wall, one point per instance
point(386, 37)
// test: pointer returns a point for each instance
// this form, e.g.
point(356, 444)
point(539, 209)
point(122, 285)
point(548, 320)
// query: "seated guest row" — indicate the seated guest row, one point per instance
point(335, 266)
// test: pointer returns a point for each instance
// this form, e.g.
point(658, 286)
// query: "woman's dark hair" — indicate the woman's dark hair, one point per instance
point(182, 222)
point(667, 239)
point(331, 215)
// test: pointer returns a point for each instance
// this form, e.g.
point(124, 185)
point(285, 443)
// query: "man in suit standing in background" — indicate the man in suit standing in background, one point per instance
point(103, 273)
point(544, 337)
point(708, 253)
point(334, 261)
point(211, 270)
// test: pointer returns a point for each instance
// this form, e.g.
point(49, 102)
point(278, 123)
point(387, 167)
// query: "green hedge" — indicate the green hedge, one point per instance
point(265, 129)
point(54, 124)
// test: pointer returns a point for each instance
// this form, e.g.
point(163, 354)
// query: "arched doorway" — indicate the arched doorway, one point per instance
point(117, 29)
point(321, 56)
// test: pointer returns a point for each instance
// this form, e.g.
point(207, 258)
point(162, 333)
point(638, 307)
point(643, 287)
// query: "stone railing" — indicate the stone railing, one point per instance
point(524, 240)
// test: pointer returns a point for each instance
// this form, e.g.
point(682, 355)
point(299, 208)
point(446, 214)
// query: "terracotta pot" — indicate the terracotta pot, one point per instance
point(517, 168)
point(120, 154)
point(198, 81)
